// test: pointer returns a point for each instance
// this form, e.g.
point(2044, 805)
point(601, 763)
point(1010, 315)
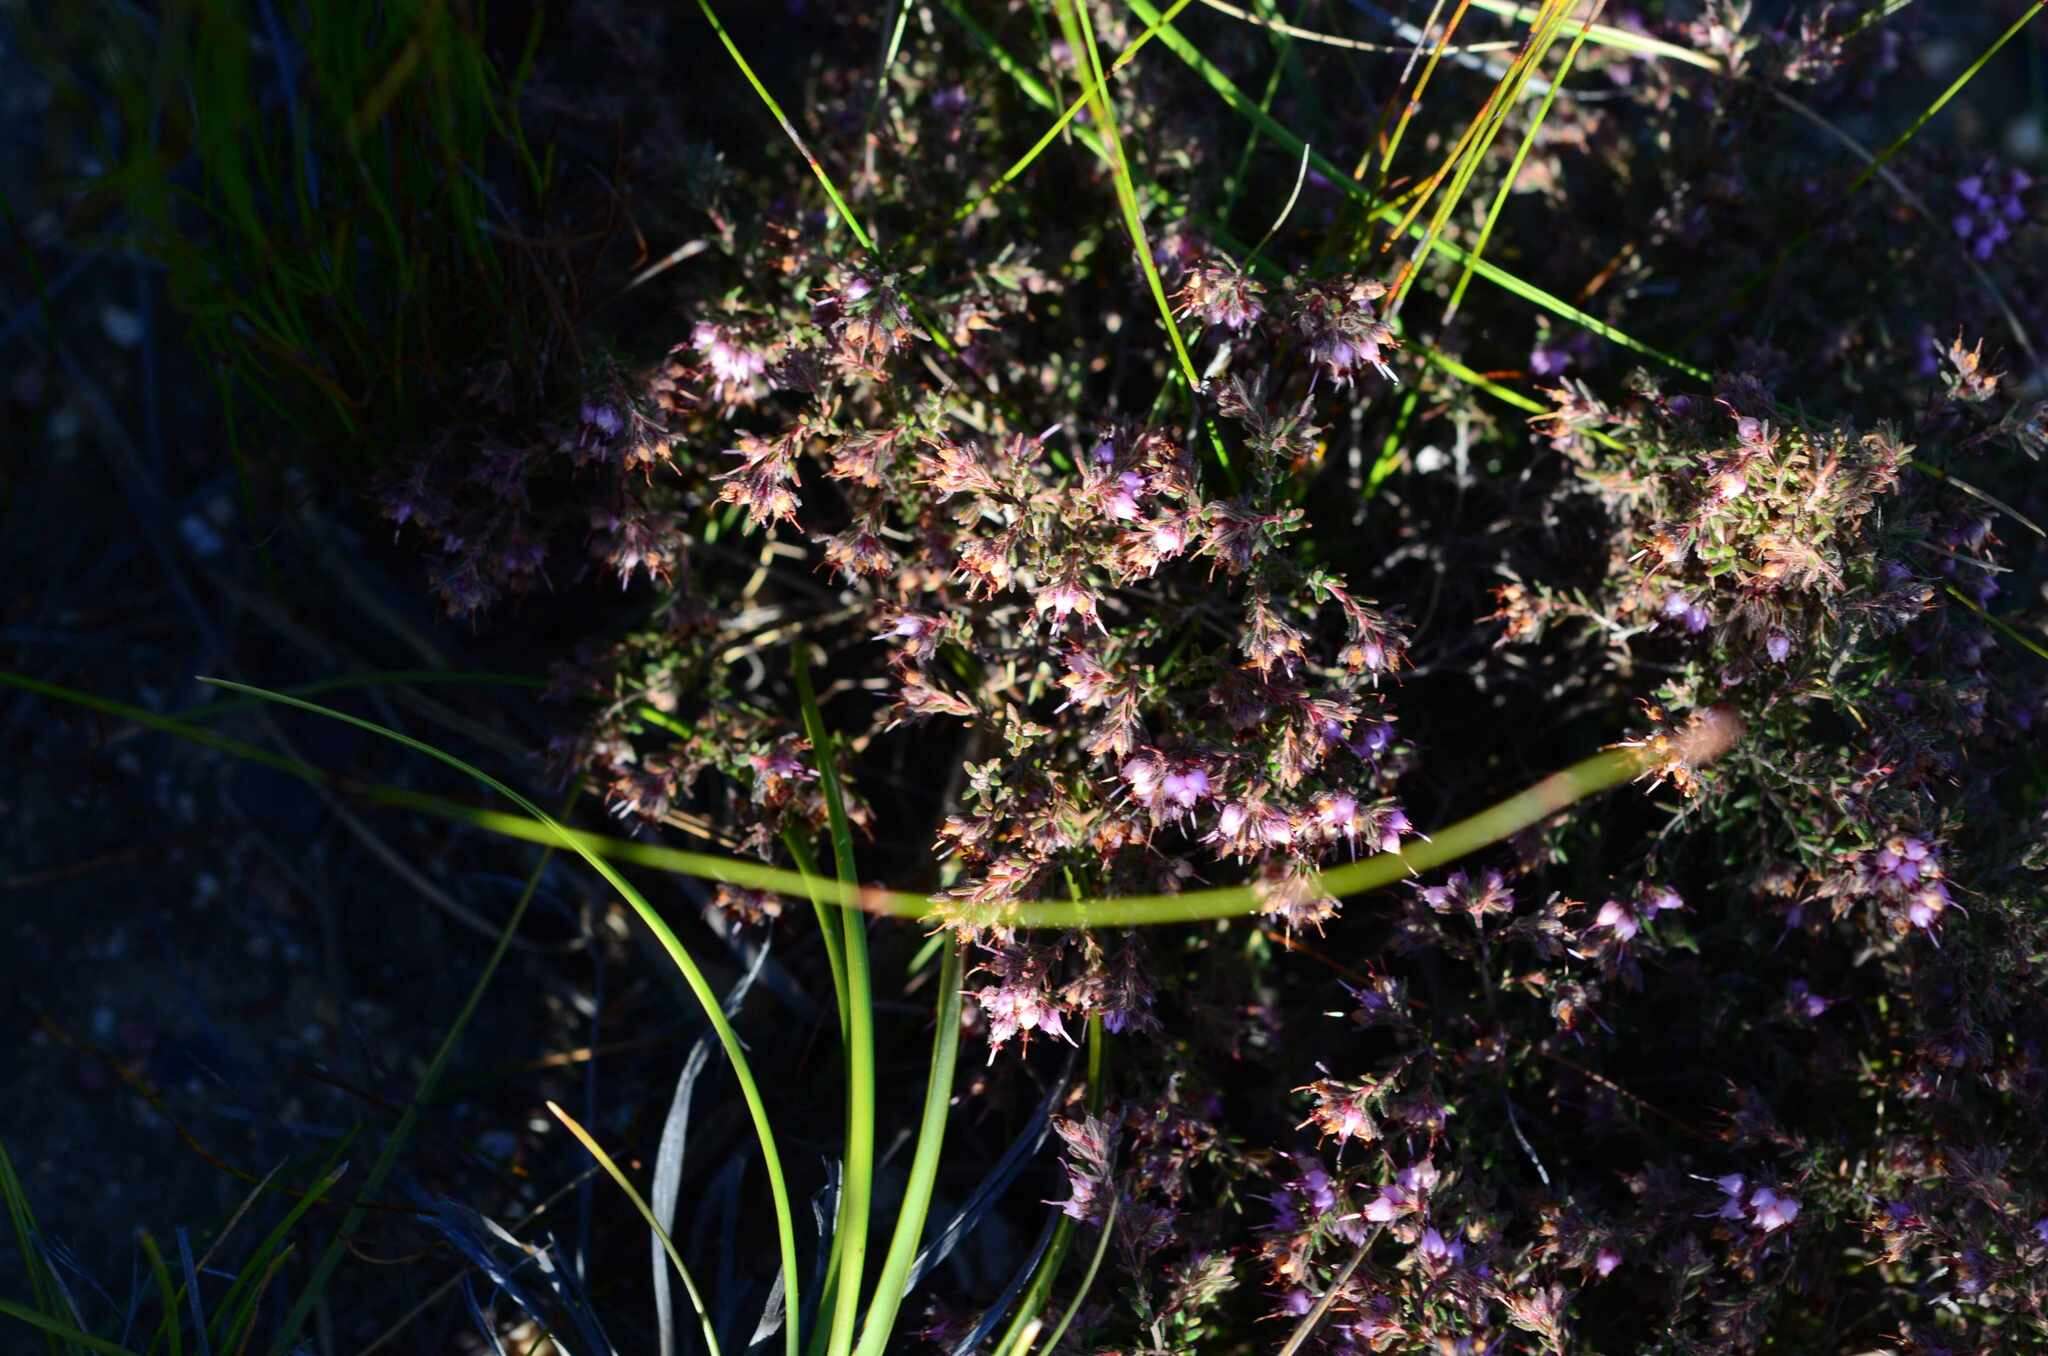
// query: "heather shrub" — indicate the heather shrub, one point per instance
point(1747, 1059)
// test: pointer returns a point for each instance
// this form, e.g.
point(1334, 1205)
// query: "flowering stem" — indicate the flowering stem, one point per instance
point(1309, 1321)
point(1087, 1278)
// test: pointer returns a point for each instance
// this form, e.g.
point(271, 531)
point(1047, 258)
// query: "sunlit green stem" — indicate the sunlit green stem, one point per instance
point(894, 1277)
point(850, 1239)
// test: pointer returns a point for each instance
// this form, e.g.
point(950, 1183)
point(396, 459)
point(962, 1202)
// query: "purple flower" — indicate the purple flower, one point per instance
point(1771, 1211)
point(1606, 1260)
point(1927, 905)
point(1730, 1187)
point(1778, 646)
point(1902, 859)
point(1185, 785)
point(1689, 613)
point(1122, 502)
point(1392, 825)
point(1437, 1248)
point(732, 362)
point(1993, 204)
point(1625, 920)
point(1390, 1204)
point(1805, 1002)
point(1615, 915)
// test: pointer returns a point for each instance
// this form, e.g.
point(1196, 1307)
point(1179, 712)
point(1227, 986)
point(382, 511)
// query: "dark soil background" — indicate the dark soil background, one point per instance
point(208, 968)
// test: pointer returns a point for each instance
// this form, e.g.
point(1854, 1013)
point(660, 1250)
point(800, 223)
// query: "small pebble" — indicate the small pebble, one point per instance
point(2026, 140)
point(122, 325)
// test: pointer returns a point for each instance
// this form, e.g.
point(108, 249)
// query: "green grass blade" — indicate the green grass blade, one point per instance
point(2004, 628)
point(170, 1327)
point(1590, 776)
point(244, 1327)
point(2027, 16)
point(700, 987)
point(1478, 140)
point(1092, 91)
point(1276, 132)
point(856, 1191)
point(1507, 183)
point(832, 932)
point(893, 1279)
point(58, 1332)
point(1608, 36)
point(1080, 30)
point(789, 130)
point(604, 1160)
point(49, 1299)
point(1087, 1279)
point(1601, 772)
point(239, 1304)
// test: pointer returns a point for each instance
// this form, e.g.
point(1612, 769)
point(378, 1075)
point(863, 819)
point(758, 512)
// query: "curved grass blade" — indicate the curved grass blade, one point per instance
point(656, 924)
point(1589, 776)
point(991, 1188)
point(668, 1156)
point(604, 1161)
point(1554, 793)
